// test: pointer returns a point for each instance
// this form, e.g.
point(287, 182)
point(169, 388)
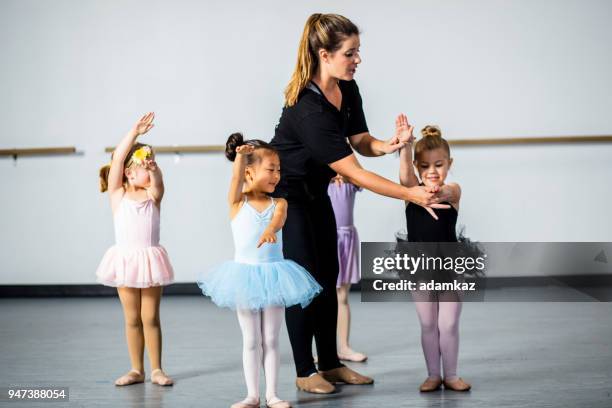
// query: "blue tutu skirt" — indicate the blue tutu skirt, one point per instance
point(256, 286)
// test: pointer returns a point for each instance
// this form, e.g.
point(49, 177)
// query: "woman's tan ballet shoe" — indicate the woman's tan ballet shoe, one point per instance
point(315, 384)
point(346, 375)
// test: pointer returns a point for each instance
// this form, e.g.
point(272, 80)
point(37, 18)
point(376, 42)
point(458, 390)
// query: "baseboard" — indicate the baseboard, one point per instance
point(185, 288)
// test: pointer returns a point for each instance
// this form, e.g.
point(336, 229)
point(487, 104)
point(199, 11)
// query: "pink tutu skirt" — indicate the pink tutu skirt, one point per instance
point(348, 256)
point(135, 268)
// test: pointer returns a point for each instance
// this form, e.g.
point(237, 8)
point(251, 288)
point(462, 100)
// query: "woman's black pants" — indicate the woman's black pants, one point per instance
point(309, 238)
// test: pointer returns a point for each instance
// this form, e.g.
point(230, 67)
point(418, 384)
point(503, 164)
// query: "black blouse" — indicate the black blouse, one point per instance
point(312, 134)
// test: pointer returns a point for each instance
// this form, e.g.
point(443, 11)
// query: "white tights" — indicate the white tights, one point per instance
point(260, 331)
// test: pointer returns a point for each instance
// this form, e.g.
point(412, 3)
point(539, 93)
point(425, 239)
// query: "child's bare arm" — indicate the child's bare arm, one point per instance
point(276, 224)
point(156, 190)
point(234, 196)
point(407, 175)
point(115, 174)
point(451, 193)
point(280, 215)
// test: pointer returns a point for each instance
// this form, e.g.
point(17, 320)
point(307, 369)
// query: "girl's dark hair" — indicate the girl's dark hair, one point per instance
point(237, 139)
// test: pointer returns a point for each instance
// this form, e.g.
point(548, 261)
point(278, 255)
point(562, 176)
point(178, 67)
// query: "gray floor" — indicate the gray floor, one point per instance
point(515, 354)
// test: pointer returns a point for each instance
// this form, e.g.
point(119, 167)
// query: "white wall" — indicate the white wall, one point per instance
point(80, 72)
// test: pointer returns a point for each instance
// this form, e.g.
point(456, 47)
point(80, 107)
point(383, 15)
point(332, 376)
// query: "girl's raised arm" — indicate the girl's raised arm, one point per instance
point(234, 196)
point(404, 130)
point(115, 174)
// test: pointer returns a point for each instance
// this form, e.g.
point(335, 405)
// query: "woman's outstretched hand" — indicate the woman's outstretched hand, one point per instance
point(428, 198)
point(392, 145)
point(402, 137)
point(144, 124)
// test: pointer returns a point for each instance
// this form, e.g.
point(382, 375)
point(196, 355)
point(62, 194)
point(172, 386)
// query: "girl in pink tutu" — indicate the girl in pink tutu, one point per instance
point(137, 265)
point(342, 195)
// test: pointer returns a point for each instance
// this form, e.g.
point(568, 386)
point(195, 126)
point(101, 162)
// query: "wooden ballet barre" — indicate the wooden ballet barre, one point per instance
point(454, 142)
point(530, 140)
point(37, 151)
point(181, 149)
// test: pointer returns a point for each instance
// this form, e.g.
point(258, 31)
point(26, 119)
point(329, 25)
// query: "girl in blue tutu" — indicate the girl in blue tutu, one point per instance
point(259, 283)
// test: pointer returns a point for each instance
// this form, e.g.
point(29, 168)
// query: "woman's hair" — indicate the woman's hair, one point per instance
point(326, 31)
point(104, 170)
point(261, 147)
point(432, 139)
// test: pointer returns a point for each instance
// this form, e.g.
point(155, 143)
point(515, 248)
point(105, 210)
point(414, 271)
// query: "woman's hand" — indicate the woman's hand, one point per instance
point(434, 189)
point(392, 145)
point(267, 236)
point(144, 124)
point(426, 197)
point(403, 135)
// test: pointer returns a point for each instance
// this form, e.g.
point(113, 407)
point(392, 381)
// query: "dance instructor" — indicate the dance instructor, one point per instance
point(323, 109)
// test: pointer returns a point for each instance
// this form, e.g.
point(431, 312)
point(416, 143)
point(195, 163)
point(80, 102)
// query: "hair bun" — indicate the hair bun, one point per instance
point(235, 140)
point(431, 131)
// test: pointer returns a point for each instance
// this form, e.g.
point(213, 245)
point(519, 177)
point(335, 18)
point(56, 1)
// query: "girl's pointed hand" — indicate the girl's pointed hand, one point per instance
point(267, 236)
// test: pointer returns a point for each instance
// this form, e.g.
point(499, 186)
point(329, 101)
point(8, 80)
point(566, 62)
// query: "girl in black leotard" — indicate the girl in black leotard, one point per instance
point(439, 319)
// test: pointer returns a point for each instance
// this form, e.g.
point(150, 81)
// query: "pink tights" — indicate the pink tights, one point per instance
point(440, 336)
